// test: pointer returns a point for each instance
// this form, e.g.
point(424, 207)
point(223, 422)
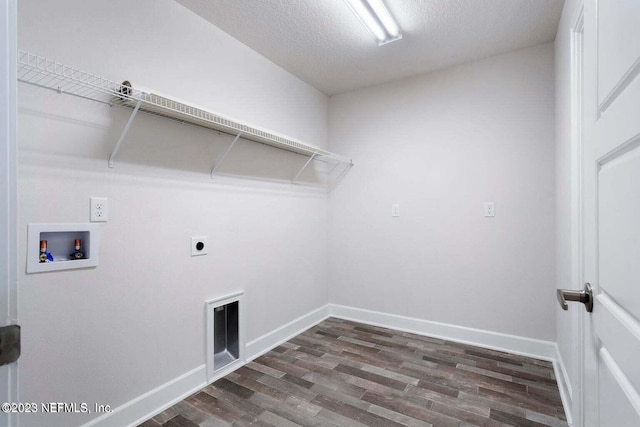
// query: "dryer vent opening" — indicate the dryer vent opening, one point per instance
point(225, 335)
point(226, 345)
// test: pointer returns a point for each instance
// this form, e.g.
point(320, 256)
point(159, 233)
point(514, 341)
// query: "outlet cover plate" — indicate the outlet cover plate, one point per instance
point(199, 246)
point(489, 209)
point(99, 209)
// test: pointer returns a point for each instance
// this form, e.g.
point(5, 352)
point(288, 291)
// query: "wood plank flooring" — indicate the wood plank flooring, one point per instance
point(343, 373)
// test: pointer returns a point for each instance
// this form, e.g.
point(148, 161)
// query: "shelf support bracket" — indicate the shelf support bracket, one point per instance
point(340, 176)
point(293, 181)
point(124, 133)
point(224, 156)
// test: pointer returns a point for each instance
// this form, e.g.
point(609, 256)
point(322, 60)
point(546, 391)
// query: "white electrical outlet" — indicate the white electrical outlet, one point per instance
point(199, 246)
point(99, 209)
point(489, 209)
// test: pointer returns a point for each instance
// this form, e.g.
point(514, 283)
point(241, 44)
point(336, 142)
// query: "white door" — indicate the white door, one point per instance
point(8, 297)
point(611, 184)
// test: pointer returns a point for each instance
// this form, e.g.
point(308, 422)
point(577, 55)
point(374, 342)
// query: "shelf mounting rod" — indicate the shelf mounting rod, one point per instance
point(293, 181)
point(224, 156)
point(124, 133)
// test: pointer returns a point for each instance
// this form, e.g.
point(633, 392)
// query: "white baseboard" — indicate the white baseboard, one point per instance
point(166, 395)
point(154, 401)
point(564, 385)
point(261, 345)
point(539, 349)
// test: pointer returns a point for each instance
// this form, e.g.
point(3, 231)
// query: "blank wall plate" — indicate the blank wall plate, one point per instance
point(199, 246)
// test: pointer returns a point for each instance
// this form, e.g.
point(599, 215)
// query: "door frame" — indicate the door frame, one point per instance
point(577, 42)
point(8, 193)
point(577, 206)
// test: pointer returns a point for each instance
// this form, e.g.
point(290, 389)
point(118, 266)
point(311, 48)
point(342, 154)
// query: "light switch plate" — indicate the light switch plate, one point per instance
point(395, 210)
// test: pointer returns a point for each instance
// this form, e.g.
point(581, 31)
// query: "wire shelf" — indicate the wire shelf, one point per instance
point(46, 73)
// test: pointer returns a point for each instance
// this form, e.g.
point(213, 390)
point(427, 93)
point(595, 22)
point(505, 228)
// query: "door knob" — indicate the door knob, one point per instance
point(584, 296)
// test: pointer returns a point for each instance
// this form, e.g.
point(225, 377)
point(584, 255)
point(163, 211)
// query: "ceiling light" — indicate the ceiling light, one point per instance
point(376, 17)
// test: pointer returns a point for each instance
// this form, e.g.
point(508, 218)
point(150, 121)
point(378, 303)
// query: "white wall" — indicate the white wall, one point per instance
point(440, 145)
point(567, 321)
point(109, 334)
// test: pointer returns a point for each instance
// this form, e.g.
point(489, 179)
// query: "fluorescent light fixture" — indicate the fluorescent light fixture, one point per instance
point(376, 17)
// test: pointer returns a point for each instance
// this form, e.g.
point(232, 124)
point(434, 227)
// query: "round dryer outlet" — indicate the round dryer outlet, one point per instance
point(199, 246)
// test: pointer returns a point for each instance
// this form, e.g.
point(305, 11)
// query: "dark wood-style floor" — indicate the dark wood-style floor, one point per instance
point(342, 373)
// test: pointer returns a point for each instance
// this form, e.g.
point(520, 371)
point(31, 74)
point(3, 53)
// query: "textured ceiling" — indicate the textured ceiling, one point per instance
point(323, 43)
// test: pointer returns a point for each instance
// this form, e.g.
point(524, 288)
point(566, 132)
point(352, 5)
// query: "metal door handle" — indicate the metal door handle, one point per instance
point(585, 296)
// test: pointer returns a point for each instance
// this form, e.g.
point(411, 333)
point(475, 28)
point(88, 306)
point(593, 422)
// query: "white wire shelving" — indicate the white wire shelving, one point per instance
point(49, 74)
